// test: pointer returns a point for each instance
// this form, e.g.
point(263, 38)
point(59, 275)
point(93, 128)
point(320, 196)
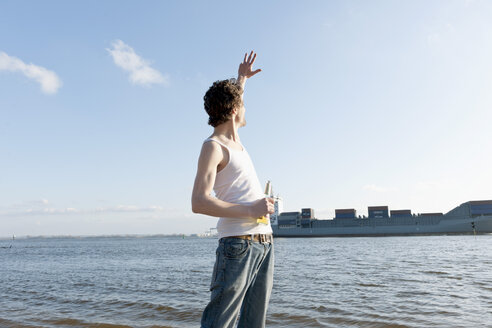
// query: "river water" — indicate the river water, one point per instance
point(432, 281)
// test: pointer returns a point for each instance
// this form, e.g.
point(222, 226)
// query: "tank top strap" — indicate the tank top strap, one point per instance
point(217, 141)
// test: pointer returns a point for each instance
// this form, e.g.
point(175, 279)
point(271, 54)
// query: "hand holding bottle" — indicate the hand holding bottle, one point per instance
point(270, 206)
point(262, 207)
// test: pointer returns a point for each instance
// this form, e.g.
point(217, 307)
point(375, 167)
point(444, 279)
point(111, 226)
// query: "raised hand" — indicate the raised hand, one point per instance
point(245, 70)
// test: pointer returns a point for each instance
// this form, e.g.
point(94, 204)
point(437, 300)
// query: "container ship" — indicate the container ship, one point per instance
point(472, 217)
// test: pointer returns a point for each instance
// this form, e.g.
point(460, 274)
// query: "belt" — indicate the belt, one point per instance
point(262, 238)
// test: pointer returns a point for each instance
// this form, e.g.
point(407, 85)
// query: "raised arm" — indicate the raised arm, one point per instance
point(203, 202)
point(245, 70)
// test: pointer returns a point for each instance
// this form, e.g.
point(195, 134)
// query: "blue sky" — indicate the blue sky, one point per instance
point(358, 104)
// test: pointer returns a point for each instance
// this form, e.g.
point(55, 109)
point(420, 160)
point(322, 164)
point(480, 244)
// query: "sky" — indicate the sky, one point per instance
point(359, 103)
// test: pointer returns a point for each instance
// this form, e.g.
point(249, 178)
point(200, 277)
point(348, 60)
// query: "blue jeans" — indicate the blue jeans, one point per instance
point(241, 284)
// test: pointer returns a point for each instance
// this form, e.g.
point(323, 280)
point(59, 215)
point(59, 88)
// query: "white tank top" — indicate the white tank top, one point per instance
point(238, 183)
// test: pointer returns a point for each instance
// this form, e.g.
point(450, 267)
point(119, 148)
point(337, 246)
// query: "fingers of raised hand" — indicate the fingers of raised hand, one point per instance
point(249, 59)
point(253, 60)
point(250, 56)
point(245, 68)
point(257, 71)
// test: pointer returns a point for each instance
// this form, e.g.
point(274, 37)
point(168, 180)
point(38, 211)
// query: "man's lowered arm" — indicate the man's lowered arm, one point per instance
point(204, 203)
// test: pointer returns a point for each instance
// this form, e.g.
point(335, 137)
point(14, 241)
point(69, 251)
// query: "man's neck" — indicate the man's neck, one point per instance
point(227, 130)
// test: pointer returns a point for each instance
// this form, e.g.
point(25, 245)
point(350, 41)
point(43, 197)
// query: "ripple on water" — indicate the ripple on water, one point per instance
point(288, 319)
point(371, 285)
point(347, 321)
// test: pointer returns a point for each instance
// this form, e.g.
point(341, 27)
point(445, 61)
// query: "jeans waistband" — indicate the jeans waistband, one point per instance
point(262, 238)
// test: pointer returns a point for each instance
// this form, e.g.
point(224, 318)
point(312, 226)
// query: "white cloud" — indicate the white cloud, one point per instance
point(132, 209)
point(140, 71)
point(36, 208)
point(49, 81)
point(29, 204)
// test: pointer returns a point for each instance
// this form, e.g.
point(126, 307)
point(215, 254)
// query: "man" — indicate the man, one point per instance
point(243, 272)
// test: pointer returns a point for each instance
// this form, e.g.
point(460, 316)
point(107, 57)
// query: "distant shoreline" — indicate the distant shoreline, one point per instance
point(180, 235)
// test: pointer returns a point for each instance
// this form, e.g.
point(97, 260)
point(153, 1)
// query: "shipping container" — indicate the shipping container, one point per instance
point(346, 213)
point(400, 213)
point(307, 213)
point(377, 208)
point(378, 211)
point(481, 202)
point(345, 210)
point(481, 209)
point(290, 221)
point(290, 213)
point(305, 223)
point(431, 214)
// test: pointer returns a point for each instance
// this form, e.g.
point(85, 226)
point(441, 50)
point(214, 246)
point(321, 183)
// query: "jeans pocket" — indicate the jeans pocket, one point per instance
point(236, 248)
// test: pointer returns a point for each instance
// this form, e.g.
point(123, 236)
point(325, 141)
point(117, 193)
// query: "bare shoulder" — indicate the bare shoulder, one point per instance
point(211, 152)
point(214, 155)
point(211, 147)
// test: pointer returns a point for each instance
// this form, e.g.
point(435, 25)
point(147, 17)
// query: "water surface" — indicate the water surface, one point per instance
point(436, 281)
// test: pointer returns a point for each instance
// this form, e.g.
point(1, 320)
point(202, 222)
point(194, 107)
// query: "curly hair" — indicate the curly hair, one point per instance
point(220, 99)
